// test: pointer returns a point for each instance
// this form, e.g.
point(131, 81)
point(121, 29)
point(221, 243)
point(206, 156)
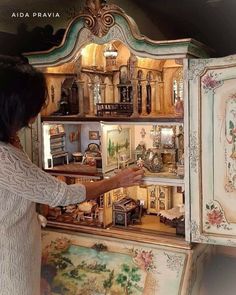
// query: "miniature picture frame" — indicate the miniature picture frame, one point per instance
point(60, 128)
point(94, 135)
point(167, 136)
point(118, 140)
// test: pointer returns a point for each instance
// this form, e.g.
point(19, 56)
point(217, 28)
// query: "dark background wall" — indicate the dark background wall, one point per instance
point(209, 21)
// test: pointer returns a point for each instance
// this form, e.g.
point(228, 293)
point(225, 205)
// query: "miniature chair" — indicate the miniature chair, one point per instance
point(137, 216)
point(59, 155)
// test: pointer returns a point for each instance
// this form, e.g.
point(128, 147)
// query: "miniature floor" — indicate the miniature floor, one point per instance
point(162, 175)
point(75, 167)
point(152, 222)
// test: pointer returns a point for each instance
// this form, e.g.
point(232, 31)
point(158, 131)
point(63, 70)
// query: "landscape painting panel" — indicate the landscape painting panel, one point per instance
point(118, 145)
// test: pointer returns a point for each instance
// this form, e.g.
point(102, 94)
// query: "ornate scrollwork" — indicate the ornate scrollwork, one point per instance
point(194, 151)
point(174, 262)
point(196, 68)
point(196, 235)
point(98, 16)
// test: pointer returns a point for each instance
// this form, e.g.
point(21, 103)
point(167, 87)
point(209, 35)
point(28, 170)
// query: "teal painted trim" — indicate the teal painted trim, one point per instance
point(121, 31)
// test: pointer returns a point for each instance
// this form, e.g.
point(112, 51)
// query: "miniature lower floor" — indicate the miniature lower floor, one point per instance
point(151, 207)
point(152, 223)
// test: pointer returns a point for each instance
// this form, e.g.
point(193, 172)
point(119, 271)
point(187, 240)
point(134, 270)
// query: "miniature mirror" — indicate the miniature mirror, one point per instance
point(168, 137)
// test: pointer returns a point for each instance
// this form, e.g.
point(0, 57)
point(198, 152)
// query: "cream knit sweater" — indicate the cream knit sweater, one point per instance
point(21, 185)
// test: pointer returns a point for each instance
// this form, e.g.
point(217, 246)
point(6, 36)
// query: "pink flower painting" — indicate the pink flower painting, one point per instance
point(215, 217)
point(210, 81)
point(144, 259)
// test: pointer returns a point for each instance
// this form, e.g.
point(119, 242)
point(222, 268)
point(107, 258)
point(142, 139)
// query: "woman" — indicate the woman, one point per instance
point(22, 184)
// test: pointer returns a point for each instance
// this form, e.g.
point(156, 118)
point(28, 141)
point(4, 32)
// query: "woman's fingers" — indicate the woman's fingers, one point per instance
point(134, 176)
point(135, 168)
point(131, 176)
point(138, 174)
point(138, 177)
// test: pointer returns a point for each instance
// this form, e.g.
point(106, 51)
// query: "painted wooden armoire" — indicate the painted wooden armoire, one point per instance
point(121, 81)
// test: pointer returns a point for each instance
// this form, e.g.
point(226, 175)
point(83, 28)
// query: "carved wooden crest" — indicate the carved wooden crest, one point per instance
point(98, 16)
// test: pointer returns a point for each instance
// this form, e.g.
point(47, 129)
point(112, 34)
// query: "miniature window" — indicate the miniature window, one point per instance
point(178, 85)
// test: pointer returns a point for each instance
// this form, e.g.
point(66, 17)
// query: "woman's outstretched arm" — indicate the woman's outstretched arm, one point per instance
point(21, 177)
point(125, 178)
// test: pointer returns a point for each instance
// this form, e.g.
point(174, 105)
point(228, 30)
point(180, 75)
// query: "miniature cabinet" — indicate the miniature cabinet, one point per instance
point(159, 198)
point(122, 211)
point(155, 104)
point(57, 146)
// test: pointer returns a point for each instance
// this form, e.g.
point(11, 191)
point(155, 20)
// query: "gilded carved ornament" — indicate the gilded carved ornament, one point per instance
point(98, 16)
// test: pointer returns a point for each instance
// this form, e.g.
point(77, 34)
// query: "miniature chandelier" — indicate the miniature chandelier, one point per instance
point(110, 51)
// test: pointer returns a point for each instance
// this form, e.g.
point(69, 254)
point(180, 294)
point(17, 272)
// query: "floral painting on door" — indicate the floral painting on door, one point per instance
point(230, 143)
point(72, 269)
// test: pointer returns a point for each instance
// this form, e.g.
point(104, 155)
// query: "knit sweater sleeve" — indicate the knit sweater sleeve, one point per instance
point(21, 177)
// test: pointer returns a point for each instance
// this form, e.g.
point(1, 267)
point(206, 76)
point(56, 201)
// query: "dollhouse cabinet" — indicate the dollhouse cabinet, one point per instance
point(159, 198)
point(163, 105)
point(164, 198)
point(152, 206)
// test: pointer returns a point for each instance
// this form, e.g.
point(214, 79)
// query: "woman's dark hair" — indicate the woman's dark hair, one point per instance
point(22, 95)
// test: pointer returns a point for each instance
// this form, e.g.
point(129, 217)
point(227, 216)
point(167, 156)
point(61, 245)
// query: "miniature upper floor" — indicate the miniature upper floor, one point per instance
point(105, 68)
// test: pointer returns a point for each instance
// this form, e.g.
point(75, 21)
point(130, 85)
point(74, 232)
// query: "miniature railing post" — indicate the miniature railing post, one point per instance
point(91, 99)
point(103, 92)
point(161, 94)
point(80, 85)
point(154, 98)
point(144, 99)
point(134, 83)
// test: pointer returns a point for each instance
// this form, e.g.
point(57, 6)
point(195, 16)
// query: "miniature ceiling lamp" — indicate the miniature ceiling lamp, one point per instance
point(110, 54)
point(110, 51)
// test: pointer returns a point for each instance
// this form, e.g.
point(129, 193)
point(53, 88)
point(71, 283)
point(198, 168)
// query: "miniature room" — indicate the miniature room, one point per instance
point(157, 209)
point(72, 147)
point(110, 81)
point(93, 150)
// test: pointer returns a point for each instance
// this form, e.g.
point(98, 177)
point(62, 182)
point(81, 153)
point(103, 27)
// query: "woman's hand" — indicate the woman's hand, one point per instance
point(129, 177)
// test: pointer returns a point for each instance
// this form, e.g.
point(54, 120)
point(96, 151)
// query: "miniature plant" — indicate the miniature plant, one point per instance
point(127, 278)
point(107, 284)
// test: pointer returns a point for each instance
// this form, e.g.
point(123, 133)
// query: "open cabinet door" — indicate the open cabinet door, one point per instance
point(212, 150)
point(30, 138)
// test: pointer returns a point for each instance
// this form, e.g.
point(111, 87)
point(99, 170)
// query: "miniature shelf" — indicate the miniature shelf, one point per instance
point(75, 170)
point(75, 118)
point(58, 135)
point(163, 180)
